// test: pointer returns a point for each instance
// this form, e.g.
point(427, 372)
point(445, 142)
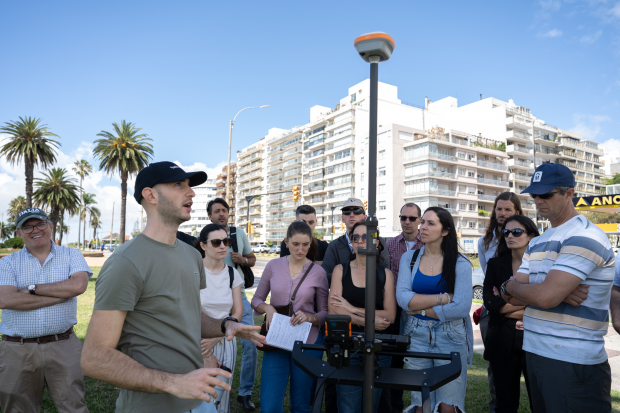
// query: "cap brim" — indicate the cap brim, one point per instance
point(195, 178)
point(39, 217)
point(538, 189)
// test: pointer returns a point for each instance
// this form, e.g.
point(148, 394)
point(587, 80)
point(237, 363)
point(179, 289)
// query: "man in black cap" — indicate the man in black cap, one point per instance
point(145, 332)
point(565, 281)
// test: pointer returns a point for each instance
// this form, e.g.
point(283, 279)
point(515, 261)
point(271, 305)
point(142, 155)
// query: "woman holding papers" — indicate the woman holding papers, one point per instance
point(348, 297)
point(281, 278)
point(435, 289)
point(221, 298)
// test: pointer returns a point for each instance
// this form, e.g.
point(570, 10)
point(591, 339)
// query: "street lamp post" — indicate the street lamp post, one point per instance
point(232, 123)
point(373, 48)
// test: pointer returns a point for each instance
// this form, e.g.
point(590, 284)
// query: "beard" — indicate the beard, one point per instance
point(169, 212)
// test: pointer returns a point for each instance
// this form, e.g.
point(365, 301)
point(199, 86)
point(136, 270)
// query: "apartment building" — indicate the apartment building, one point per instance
point(436, 154)
point(222, 182)
point(199, 217)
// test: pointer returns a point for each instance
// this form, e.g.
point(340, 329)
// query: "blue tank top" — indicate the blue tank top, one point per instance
point(425, 284)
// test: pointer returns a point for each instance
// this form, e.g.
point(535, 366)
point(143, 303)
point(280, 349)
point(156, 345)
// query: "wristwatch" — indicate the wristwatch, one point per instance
point(32, 288)
point(503, 288)
point(423, 313)
point(224, 323)
point(246, 260)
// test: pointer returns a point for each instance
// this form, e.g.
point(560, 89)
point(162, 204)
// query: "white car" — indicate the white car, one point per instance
point(478, 281)
point(260, 248)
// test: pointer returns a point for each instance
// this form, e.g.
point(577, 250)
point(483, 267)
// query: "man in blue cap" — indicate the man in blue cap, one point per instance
point(565, 281)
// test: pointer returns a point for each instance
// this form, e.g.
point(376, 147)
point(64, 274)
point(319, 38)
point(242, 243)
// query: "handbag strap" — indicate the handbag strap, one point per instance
point(300, 282)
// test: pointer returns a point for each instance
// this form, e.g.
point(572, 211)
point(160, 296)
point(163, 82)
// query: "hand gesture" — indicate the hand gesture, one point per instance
point(339, 301)
point(298, 318)
point(246, 332)
point(237, 258)
point(198, 384)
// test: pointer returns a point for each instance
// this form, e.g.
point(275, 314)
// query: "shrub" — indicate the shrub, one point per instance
point(14, 243)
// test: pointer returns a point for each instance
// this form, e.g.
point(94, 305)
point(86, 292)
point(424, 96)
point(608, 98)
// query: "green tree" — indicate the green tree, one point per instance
point(56, 191)
point(82, 168)
point(29, 141)
point(614, 180)
point(6, 230)
point(125, 151)
point(95, 223)
point(87, 207)
point(16, 206)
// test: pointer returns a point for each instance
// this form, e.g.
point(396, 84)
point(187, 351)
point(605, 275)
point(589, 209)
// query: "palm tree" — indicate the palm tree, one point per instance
point(71, 210)
point(6, 230)
point(87, 207)
point(56, 191)
point(64, 230)
point(95, 223)
point(29, 141)
point(83, 169)
point(125, 151)
point(16, 206)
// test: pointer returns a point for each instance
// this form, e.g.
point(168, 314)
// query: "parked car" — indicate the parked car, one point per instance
point(274, 250)
point(260, 248)
point(477, 278)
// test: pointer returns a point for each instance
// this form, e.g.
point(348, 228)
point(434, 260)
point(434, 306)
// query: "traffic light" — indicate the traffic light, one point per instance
point(365, 205)
point(341, 226)
point(333, 229)
point(295, 194)
point(250, 228)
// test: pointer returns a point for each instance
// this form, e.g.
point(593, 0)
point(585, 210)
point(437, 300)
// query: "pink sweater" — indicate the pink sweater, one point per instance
point(276, 279)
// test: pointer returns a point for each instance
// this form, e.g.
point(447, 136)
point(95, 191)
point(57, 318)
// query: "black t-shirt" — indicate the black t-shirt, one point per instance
point(319, 255)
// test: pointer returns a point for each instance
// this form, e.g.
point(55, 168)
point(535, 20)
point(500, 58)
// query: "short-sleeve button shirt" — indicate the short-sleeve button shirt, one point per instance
point(22, 269)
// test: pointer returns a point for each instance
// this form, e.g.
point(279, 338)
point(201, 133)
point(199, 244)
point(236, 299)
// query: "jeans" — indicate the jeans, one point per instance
point(350, 397)
point(434, 336)
point(204, 408)
point(249, 359)
point(277, 367)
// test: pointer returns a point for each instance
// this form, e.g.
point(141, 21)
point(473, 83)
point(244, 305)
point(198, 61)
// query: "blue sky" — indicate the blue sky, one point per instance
point(181, 70)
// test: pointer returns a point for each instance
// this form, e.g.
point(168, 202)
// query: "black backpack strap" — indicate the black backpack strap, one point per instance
point(414, 259)
point(382, 277)
point(231, 275)
point(233, 239)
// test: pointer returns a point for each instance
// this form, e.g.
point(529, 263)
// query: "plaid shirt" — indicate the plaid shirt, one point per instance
point(22, 269)
point(397, 246)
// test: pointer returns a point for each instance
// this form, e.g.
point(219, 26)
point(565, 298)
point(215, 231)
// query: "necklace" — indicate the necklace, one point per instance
point(291, 270)
point(435, 263)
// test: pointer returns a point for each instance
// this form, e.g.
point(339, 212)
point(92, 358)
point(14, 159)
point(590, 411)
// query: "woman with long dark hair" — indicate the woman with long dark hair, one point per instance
point(435, 290)
point(348, 297)
point(503, 344)
point(282, 277)
point(221, 298)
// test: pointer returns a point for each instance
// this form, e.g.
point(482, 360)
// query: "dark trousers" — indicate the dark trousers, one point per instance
point(484, 327)
point(559, 386)
point(331, 398)
point(392, 399)
point(507, 378)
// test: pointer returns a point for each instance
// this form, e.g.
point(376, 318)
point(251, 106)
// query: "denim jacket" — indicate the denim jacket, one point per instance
point(460, 306)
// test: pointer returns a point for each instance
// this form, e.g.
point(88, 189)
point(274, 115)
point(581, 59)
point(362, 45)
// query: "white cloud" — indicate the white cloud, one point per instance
point(551, 33)
point(591, 38)
point(588, 126)
point(107, 189)
point(550, 5)
point(199, 166)
point(615, 11)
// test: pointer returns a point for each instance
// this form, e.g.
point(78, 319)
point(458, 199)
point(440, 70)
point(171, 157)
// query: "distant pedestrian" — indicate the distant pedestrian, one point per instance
point(39, 286)
point(506, 205)
point(307, 214)
point(565, 281)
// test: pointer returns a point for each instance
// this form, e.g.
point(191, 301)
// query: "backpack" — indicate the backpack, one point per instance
point(231, 275)
point(248, 275)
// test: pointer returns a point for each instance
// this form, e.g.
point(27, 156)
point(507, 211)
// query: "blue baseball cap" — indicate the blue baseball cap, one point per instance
point(549, 176)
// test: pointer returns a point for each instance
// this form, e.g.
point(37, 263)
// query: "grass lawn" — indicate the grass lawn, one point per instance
point(101, 397)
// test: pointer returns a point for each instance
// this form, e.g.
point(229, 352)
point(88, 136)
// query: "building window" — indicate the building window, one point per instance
point(362, 161)
point(461, 155)
point(471, 174)
point(472, 207)
point(461, 172)
point(462, 188)
point(353, 98)
point(382, 154)
point(472, 224)
point(382, 222)
point(382, 171)
point(362, 175)
point(382, 206)
point(382, 188)
point(471, 157)
point(462, 207)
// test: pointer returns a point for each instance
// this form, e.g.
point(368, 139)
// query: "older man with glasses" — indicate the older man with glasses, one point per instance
point(38, 289)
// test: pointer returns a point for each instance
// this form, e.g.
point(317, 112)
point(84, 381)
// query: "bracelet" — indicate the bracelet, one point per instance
point(437, 299)
point(358, 320)
point(447, 295)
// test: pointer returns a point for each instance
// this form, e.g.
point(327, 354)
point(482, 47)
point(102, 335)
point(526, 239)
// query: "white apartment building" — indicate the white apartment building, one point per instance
point(199, 218)
point(436, 155)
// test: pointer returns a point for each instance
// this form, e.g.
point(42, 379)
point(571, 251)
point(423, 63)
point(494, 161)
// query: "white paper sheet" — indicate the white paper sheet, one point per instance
point(283, 335)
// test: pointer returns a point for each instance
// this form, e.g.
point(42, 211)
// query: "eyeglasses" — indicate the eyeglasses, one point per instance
point(356, 211)
point(29, 228)
point(217, 242)
point(404, 218)
point(544, 196)
point(358, 238)
point(517, 232)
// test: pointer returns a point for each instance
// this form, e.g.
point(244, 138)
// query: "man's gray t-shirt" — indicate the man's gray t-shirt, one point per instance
point(159, 287)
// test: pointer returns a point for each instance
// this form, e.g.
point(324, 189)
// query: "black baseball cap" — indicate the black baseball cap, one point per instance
point(549, 176)
point(164, 172)
point(29, 213)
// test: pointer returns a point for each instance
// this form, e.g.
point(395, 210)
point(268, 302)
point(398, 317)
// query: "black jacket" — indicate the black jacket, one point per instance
point(338, 252)
point(501, 334)
point(320, 254)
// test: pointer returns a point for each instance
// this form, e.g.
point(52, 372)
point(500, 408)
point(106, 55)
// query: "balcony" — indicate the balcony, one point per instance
point(313, 165)
point(492, 165)
point(548, 152)
point(518, 122)
point(546, 138)
point(518, 150)
point(519, 136)
point(312, 178)
point(518, 163)
point(441, 192)
point(316, 200)
point(591, 180)
point(434, 174)
point(493, 182)
point(490, 198)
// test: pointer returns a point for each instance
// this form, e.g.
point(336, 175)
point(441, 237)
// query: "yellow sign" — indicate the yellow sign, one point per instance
point(601, 201)
point(609, 227)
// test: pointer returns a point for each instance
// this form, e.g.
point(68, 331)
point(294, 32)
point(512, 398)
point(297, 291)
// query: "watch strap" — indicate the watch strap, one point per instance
point(223, 326)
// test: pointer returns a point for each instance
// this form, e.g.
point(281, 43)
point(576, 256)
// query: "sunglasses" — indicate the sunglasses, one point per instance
point(544, 196)
point(358, 238)
point(217, 242)
point(404, 218)
point(356, 211)
point(517, 232)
